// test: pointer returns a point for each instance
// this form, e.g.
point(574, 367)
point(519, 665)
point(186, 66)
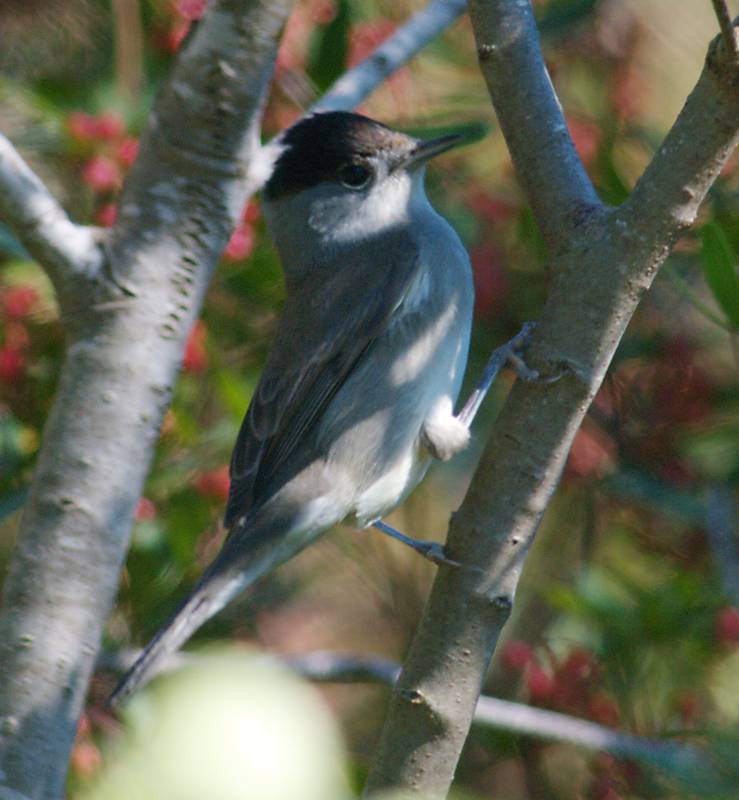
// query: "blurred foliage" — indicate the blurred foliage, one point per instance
point(621, 617)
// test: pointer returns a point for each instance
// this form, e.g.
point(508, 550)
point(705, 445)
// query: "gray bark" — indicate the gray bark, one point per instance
point(602, 260)
point(129, 300)
point(179, 205)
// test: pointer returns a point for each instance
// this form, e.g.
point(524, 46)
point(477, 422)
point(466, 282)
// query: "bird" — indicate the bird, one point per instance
point(357, 395)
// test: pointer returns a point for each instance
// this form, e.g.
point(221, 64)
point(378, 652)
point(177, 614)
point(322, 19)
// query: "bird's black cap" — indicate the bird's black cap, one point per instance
point(318, 145)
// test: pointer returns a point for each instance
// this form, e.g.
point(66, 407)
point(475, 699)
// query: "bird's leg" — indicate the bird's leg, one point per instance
point(507, 353)
point(433, 551)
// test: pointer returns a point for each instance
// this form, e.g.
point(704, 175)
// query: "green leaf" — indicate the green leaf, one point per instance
point(561, 15)
point(329, 49)
point(719, 266)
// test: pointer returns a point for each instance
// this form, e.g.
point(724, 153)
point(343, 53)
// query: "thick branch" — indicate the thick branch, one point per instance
point(531, 119)
point(67, 251)
point(178, 207)
point(600, 270)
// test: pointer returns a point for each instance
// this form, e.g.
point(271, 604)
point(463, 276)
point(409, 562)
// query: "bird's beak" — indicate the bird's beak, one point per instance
point(426, 150)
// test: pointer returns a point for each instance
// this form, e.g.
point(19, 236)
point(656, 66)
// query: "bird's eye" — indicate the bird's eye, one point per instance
point(355, 176)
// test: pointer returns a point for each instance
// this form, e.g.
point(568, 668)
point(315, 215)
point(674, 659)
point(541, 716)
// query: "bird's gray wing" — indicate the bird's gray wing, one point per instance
point(330, 319)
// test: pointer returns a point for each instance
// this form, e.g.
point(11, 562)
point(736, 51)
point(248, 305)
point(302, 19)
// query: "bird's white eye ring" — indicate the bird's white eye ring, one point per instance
point(355, 176)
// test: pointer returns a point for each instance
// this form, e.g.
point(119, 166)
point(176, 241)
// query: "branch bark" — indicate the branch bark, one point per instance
point(178, 207)
point(71, 254)
point(423, 27)
point(602, 262)
point(129, 301)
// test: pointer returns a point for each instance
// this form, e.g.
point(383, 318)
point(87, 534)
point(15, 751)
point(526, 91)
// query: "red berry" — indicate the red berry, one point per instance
point(603, 709)
point(251, 212)
point(145, 509)
point(592, 453)
point(11, 364)
point(16, 336)
point(240, 245)
point(516, 654)
point(81, 126)
point(106, 214)
point(196, 356)
point(101, 174)
point(127, 151)
point(191, 9)
point(18, 301)
point(214, 484)
point(727, 625)
point(689, 707)
point(109, 125)
point(539, 683)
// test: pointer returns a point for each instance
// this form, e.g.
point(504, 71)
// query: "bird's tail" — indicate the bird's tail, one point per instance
point(237, 566)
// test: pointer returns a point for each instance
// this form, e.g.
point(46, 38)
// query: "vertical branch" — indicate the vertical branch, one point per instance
point(603, 263)
point(726, 25)
point(178, 207)
point(129, 48)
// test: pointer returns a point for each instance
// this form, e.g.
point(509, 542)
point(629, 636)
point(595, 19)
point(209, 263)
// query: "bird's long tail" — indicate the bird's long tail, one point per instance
point(237, 566)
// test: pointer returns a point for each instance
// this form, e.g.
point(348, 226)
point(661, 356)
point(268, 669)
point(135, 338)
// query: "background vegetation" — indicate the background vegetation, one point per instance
point(628, 613)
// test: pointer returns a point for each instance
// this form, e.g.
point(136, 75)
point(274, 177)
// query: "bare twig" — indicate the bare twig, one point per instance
point(411, 37)
point(66, 250)
point(721, 531)
point(327, 666)
point(358, 83)
point(726, 25)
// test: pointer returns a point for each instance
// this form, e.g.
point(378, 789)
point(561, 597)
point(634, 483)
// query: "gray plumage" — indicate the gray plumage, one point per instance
point(358, 391)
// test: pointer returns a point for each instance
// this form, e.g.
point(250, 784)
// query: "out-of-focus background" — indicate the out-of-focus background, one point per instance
point(625, 614)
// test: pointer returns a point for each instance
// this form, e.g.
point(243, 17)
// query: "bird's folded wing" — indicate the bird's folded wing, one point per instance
point(330, 319)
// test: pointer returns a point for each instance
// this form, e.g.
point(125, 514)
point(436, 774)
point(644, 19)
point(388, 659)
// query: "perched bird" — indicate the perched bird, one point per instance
point(358, 391)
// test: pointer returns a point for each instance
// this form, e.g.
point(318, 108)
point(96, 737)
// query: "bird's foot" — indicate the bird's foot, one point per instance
point(433, 551)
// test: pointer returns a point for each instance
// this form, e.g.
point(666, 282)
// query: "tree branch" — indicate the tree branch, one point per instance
point(726, 25)
point(358, 83)
point(178, 207)
point(328, 666)
point(531, 119)
point(603, 261)
point(409, 39)
point(65, 250)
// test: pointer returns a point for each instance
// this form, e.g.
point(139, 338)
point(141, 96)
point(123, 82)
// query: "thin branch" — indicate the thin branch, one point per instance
point(358, 83)
point(531, 119)
point(726, 25)
point(721, 532)
point(667, 195)
point(411, 37)
point(66, 250)
point(544, 724)
point(327, 666)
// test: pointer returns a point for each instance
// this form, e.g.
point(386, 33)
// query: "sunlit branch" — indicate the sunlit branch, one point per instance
point(325, 666)
point(65, 249)
point(726, 25)
point(358, 83)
